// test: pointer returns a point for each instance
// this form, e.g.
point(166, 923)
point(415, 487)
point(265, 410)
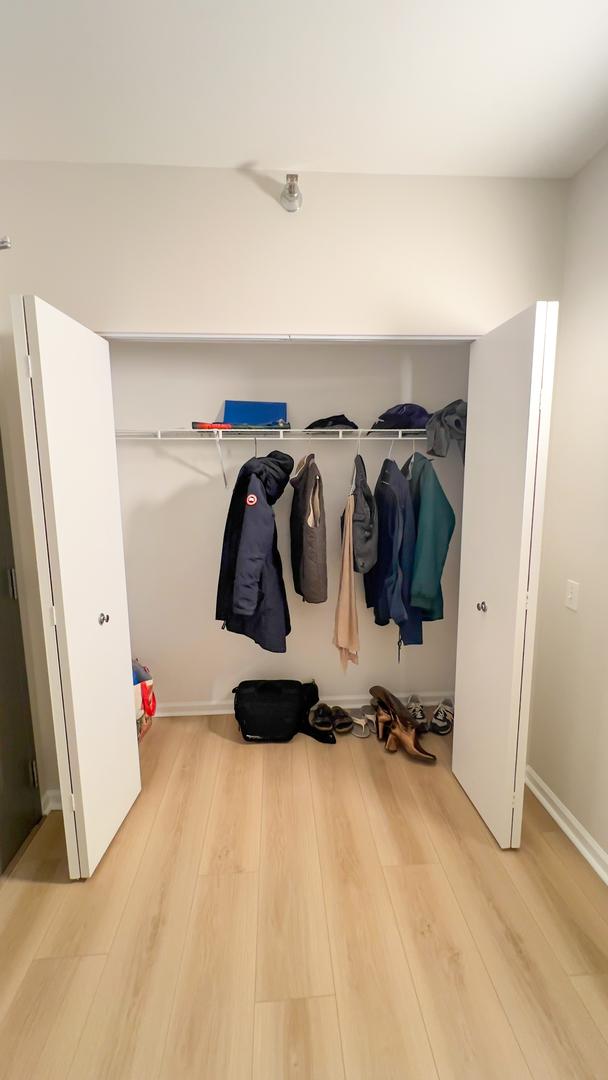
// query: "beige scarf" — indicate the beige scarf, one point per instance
point(346, 630)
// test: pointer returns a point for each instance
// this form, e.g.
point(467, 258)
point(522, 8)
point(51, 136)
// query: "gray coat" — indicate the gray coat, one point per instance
point(308, 533)
point(365, 521)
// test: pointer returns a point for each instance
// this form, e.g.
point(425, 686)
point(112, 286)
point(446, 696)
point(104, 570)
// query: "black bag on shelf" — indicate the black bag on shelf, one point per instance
point(274, 710)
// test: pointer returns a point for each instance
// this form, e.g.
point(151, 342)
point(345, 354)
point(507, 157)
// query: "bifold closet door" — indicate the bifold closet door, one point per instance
point(510, 387)
point(73, 424)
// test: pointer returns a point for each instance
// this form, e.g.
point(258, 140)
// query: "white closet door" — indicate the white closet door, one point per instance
point(510, 386)
point(74, 423)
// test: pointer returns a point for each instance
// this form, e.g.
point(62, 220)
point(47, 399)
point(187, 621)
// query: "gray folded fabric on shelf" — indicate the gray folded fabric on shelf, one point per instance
point(445, 426)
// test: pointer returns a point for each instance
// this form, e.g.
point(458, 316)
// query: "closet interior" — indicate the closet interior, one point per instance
point(174, 503)
point(128, 536)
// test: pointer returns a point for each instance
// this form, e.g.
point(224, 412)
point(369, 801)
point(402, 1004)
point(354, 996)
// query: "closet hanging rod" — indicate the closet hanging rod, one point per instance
point(273, 434)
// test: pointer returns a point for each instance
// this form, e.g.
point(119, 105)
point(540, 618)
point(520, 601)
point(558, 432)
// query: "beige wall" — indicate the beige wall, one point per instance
point(569, 729)
point(138, 248)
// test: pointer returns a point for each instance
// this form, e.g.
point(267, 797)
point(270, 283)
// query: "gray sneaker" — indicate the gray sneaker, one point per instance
point(416, 709)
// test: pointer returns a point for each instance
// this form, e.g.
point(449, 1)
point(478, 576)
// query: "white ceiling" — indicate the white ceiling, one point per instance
point(471, 87)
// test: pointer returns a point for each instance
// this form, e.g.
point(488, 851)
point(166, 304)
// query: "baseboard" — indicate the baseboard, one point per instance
point(577, 833)
point(349, 701)
point(50, 800)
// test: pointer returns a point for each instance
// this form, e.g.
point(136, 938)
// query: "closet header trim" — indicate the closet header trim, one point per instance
point(293, 339)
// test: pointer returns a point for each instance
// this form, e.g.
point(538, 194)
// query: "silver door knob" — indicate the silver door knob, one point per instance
point(103, 618)
point(482, 606)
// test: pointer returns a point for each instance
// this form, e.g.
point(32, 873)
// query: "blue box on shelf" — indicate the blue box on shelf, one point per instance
point(255, 412)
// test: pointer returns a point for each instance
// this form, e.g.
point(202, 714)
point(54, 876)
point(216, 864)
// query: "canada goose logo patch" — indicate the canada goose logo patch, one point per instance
point(251, 500)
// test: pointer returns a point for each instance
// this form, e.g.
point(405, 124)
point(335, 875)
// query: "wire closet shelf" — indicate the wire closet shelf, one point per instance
point(217, 435)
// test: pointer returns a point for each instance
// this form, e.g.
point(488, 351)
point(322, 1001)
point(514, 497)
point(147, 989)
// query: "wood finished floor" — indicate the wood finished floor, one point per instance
point(303, 912)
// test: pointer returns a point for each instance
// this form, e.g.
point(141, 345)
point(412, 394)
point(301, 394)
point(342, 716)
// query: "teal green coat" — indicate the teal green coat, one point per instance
point(435, 525)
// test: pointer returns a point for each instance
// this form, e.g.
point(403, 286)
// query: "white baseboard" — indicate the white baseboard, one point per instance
point(51, 800)
point(577, 833)
point(349, 701)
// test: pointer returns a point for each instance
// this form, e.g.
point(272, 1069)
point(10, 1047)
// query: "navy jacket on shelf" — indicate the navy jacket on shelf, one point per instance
point(251, 597)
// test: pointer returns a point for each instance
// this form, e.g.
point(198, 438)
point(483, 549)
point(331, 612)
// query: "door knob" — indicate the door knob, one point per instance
point(103, 618)
point(482, 606)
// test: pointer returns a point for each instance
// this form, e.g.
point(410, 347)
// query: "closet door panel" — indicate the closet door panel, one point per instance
point(72, 398)
point(510, 374)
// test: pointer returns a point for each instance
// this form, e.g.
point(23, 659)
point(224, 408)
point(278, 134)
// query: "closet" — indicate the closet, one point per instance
point(114, 482)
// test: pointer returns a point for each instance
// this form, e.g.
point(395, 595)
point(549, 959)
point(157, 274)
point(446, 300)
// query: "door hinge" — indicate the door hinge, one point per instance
point(34, 773)
point(526, 601)
point(28, 361)
point(73, 800)
point(12, 583)
point(53, 616)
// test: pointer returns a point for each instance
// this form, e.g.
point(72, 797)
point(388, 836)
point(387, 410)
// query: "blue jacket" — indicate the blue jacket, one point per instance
point(387, 585)
point(251, 597)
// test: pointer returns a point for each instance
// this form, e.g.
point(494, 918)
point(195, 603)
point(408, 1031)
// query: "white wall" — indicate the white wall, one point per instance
point(143, 248)
point(569, 726)
point(175, 504)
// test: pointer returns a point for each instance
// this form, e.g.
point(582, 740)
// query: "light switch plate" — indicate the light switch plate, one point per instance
point(572, 595)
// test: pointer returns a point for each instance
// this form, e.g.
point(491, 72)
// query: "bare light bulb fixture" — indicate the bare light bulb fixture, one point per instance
point(5, 243)
point(291, 196)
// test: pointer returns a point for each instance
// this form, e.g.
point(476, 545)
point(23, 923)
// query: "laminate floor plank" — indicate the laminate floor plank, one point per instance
point(579, 870)
point(40, 1032)
point(397, 825)
point(557, 1036)
point(536, 819)
point(89, 915)
point(468, 1028)
point(211, 1030)
point(232, 842)
point(47, 842)
point(297, 1040)
point(382, 1029)
point(125, 1033)
point(293, 959)
point(593, 990)
point(29, 901)
point(574, 928)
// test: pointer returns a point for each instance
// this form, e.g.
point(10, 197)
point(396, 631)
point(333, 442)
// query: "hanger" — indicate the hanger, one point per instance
point(352, 486)
point(218, 443)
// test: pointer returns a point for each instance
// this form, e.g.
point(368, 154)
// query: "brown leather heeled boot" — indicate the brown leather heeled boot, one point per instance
point(383, 720)
point(408, 739)
point(403, 729)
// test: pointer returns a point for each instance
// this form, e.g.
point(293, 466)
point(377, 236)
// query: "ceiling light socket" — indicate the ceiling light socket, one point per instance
point(5, 243)
point(291, 196)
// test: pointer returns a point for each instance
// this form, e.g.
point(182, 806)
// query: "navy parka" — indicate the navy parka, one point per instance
point(251, 598)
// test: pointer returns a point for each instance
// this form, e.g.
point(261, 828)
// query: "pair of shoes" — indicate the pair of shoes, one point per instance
point(443, 718)
point(414, 709)
point(364, 722)
point(404, 729)
point(324, 718)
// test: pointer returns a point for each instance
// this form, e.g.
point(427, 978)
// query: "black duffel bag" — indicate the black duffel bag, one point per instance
point(274, 710)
